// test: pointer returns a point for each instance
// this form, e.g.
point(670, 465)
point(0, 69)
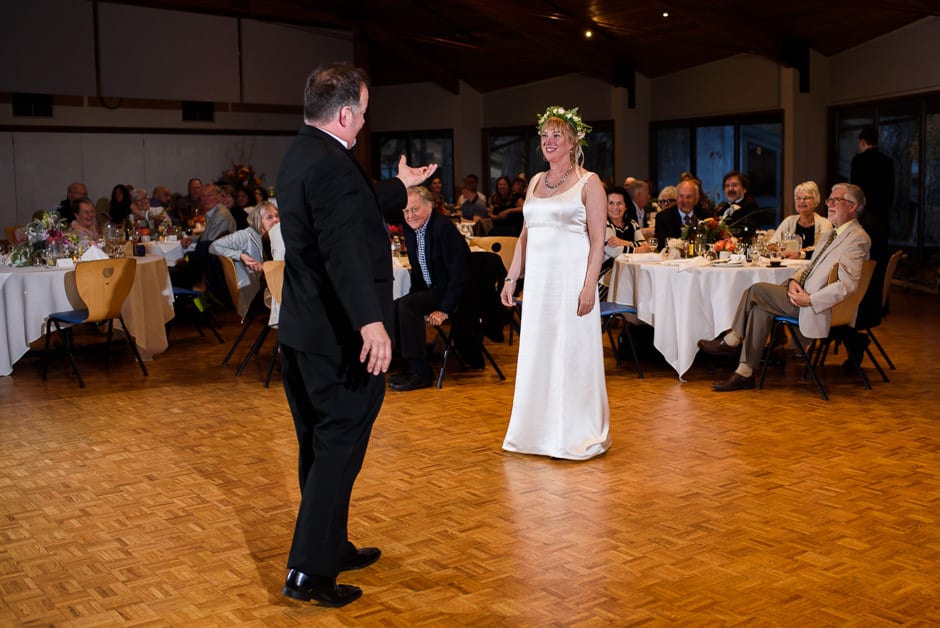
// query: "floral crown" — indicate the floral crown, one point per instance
point(571, 116)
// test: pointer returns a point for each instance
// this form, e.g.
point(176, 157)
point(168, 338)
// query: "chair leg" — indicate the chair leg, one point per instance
point(636, 358)
point(765, 356)
point(447, 346)
point(255, 348)
point(245, 325)
point(871, 335)
point(807, 360)
point(274, 354)
point(881, 371)
point(489, 357)
point(65, 335)
point(107, 344)
point(133, 344)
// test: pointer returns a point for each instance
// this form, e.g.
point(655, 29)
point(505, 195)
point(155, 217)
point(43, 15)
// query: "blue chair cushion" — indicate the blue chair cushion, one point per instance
point(76, 317)
point(609, 309)
point(787, 319)
point(185, 292)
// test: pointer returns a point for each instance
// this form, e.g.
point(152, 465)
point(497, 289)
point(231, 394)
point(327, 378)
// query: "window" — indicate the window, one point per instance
point(420, 147)
point(514, 151)
point(908, 133)
point(711, 148)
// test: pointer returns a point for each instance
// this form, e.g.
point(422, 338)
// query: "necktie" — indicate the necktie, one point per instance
point(422, 257)
point(688, 219)
point(816, 257)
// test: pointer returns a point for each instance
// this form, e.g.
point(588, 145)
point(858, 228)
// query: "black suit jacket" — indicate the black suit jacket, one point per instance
point(338, 273)
point(447, 255)
point(669, 225)
point(745, 219)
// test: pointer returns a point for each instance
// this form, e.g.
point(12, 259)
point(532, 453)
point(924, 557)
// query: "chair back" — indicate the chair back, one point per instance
point(103, 285)
point(843, 313)
point(11, 233)
point(889, 274)
point(231, 277)
point(504, 246)
point(274, 275)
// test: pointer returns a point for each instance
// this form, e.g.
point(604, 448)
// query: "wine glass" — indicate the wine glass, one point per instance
point(653, 243)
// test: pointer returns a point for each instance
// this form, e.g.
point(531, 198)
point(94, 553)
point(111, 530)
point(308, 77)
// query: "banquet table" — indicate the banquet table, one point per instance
point(686, 304)
point(28, 295)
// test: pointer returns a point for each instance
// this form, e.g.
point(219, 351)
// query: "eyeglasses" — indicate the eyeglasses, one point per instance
point(808, 199)
point(411, 210)
point(838, 199)
point(667, 201)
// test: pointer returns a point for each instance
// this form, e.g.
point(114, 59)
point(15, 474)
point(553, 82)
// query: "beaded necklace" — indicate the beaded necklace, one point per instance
point(560, 181)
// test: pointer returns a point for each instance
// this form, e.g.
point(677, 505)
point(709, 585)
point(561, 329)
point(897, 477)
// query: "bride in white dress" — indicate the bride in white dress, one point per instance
point(560, 407)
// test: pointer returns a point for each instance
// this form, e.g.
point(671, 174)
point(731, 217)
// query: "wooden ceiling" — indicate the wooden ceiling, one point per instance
point(494, 44)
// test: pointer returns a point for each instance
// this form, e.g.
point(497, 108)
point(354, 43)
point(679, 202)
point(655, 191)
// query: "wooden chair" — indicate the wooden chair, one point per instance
point(504, 246)
point(886, 289)
point(611, 311)
point(11, 233)
point(447, 337)
point(103, 286)
point(231, 283)
point(274, 275)
point(843, 313)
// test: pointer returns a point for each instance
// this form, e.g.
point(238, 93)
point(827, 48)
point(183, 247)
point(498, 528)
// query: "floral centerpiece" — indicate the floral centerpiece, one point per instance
point(710, 231)
point(241, 177)
point(46, 239)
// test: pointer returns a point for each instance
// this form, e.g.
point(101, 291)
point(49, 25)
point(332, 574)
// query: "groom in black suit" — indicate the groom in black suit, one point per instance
point(334, 320)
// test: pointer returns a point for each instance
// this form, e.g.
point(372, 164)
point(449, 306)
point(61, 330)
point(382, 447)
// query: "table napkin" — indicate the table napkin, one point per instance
point(688, 264)
point(93, 253)
point(642, 257)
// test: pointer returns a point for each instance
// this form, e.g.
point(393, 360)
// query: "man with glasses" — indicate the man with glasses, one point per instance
point(807, 294)
point(439, 258)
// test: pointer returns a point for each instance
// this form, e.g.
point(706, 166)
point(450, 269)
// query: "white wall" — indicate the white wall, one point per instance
point(739, 84)
point(902, 62)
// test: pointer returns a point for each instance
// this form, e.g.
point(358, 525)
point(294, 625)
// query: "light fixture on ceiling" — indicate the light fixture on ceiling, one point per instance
point(588, 33)
point(665, 13)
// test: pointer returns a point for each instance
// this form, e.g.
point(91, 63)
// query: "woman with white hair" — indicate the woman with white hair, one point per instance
point(806, 223)
point(247, 248)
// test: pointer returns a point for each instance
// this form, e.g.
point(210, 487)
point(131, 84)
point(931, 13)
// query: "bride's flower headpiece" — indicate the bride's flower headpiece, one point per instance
point(571, 116)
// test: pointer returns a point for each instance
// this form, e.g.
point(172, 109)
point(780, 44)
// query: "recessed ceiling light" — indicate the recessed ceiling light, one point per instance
point(588, 34)
point(665, 13)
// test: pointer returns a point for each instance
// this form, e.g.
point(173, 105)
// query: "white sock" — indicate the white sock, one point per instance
point(732, 339)
point(744, 370)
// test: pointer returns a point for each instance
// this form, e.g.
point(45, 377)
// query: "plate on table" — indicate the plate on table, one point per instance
point(728, 264)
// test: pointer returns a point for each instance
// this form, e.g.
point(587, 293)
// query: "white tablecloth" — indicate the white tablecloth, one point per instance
point(401, 284)
point(172, 251)
point(684, 306)
point(29, 295)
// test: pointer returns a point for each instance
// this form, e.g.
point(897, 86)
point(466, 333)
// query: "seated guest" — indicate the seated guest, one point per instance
point(260, 194)
point(704, 207)
point(243, 200)
point(439, 258)
point(86, 222)
point(227, 193)
point(666, 198)
point(806, 223)
point(740, 210)
point(623, 231)
point(66, 208)
point(519, 188)
point(120, 207)
point(436, 185)
point(638, 198)
point(471, 203)
point(219, 220)
point(506, 210)
point(193, 201)
point(161, 197)
point(669, 222)
point(807, 295)
point(250, 248)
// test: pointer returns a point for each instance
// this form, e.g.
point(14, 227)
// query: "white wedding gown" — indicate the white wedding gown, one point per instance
point(560, 404)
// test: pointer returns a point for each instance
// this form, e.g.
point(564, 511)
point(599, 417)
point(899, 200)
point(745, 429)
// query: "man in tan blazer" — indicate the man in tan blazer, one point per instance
point(807, 294)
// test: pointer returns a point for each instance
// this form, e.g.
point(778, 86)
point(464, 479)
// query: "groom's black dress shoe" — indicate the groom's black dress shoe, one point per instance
point(324, 590)
point(362, 558)
point(411, 381)
point(735, 382)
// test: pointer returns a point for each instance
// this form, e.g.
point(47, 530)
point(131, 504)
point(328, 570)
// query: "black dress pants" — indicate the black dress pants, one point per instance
point(334, 402)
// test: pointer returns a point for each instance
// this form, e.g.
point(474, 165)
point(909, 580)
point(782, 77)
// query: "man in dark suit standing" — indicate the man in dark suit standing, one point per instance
point(438, 254)
point(669, 222)
point(873, 171)
point(337, 302)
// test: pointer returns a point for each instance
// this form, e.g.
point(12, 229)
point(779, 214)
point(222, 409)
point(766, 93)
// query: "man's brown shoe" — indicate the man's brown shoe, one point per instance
point(735, 382)
point(718, 347)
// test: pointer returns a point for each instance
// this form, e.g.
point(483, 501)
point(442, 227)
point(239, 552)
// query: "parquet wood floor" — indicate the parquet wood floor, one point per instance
point(170, 500)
